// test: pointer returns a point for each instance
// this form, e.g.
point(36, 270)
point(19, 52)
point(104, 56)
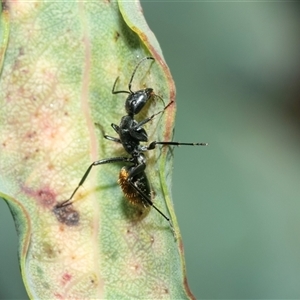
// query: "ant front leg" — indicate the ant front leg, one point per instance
point(87, 172)
point(111, 138)
point(108, 137)
point(151, 117)
point(116, 128)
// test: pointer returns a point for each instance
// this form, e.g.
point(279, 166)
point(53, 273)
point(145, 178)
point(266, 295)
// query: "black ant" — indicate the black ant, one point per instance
point(132, 178)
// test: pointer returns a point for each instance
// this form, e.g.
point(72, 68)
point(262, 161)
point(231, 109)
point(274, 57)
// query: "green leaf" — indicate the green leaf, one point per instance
point(59, 67)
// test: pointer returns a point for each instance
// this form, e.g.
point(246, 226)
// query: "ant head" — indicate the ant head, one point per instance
point(137, 100)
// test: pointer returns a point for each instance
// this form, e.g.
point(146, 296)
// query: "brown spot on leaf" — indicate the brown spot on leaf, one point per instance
point(135, 269)
point(153, 194)
point(116, 35)
point(67, 215)
point(21, 51)
point(5, 5)
point(48, 251)
point(30, 135)
point(50, 167)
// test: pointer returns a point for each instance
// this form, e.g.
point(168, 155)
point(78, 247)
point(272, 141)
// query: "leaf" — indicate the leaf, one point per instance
point(60, 63)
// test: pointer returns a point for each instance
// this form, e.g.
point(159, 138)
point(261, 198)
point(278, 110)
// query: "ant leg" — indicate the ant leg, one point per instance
point(108, 137)
point(115, 127)
point(153, 144)
point(137, 170)
point(111, 138)
point(95, 163)
point(150, 118)
point(148, 200)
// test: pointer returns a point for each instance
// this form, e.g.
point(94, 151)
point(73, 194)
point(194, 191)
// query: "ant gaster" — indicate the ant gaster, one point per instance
point(132, 178)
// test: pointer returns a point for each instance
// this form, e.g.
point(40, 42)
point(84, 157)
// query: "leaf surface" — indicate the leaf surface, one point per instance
point(60, 60)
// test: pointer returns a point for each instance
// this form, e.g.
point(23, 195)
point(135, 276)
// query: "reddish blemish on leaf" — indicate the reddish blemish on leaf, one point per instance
point(66, 278)
point(58, 296)
point(44, 196)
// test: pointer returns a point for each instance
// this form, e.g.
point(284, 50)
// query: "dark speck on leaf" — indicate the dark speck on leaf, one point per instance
point(66, 215)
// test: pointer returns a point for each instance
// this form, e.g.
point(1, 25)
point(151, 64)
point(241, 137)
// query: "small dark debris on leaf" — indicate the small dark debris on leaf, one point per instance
point(66, 215)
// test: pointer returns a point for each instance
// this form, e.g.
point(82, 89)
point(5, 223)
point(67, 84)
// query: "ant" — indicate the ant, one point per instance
point(132, 178)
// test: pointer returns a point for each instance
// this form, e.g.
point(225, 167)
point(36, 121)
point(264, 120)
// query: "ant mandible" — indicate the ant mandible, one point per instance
point(132, 178)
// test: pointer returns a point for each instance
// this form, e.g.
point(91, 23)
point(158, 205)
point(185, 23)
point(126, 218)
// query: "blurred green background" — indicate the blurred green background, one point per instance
point(237, 69)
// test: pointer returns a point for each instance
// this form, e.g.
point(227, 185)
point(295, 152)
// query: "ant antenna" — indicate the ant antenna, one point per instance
point(131, 79)
point(129, 84)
